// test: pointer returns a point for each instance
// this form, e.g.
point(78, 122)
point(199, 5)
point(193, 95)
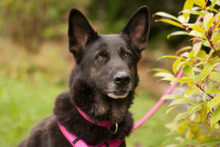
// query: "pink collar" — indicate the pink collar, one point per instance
point(100, 124)
point(77, 142)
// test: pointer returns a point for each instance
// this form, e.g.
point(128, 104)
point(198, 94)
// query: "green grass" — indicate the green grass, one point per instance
point(153, 133)
point(24, 103)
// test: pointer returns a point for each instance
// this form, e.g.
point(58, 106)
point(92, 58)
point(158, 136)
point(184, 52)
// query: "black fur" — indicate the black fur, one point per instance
point(102, 83)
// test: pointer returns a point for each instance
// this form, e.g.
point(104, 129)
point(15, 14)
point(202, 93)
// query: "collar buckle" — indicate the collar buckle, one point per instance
point(115, 129)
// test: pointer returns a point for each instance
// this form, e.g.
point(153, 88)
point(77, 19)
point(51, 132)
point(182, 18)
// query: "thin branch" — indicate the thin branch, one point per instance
point(212, 46)
point(203, 90)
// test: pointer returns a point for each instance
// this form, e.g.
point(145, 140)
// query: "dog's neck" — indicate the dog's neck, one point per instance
point(97, 105)
point(100, 124)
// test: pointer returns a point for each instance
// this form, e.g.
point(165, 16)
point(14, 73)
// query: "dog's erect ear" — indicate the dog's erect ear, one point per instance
point(80, 32)
point(137, 29)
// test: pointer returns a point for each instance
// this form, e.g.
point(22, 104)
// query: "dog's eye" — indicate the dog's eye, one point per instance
point(127, 56)
point(101, 57)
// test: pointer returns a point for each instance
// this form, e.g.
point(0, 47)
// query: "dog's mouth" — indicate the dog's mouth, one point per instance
point(117, 94)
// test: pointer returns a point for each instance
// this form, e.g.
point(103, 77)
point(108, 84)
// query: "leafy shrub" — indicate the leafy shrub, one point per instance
point(199, 90)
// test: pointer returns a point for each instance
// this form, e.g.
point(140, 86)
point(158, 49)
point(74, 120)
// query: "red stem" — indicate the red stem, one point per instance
point(203, 90)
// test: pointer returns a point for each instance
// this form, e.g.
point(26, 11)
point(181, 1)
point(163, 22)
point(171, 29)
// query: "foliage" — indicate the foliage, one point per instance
point(199, 91)
point(30, 21)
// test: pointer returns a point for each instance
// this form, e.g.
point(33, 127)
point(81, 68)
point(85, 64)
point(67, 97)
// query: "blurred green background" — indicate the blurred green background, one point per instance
point(35, 62)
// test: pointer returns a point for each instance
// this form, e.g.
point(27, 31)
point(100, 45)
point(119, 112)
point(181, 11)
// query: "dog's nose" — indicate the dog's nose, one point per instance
point(122, 78)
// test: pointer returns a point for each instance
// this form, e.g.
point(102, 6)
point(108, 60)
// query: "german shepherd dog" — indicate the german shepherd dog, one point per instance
point(101, 84)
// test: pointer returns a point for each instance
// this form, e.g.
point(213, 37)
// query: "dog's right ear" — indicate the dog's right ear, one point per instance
point(80, 33)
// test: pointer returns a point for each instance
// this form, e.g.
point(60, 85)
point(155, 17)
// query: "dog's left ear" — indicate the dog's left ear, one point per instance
point(137, 29)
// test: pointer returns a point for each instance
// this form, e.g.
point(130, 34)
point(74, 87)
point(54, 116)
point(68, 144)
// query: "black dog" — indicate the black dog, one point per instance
point(102, 84)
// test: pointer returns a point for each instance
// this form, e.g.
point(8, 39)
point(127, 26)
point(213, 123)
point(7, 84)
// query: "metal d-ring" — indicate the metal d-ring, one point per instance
point(116, 129)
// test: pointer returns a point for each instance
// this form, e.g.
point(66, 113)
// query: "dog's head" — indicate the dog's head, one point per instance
point(109, 62)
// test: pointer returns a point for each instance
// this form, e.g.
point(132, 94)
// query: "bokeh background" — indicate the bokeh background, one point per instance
point(35, 62)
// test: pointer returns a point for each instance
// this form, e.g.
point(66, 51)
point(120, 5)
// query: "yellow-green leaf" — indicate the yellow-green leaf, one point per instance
point(184, 49)
point(177, 33)
point(178, 101)
point(196, 34)
point(188, 71)
point(215, 76)
point(185, 55)
point(172, 126)
point(165, 76)
point(215, 117)
point(182, 128)
point(215, 37)
point(203, 112)
point(187, 6)
point(164, 14)
point(213, 4)
point(210, 22)
point(198, 29)
point(193, 12)
point(182, 64)
point(218, 23)
point(181, 116)
point(201, 55)
point(171, 56)
point(206, 70)
point(170, 22)
point(181, 19)
point(172, 108)
point(213, 10)
point(214, 102)
point(191, 91)
point(194, 108)
point(175, 65)
point(206, 43)
point(200, 3)
point(212, 91)
point(187, 80)
point(196, 48)
point(172, 96)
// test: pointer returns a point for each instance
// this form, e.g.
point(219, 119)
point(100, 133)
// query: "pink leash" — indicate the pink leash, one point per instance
point(157, 105)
